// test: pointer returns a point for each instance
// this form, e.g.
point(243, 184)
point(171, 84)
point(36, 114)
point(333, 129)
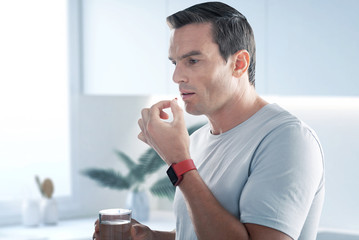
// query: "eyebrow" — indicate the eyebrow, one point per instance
point(189, 54)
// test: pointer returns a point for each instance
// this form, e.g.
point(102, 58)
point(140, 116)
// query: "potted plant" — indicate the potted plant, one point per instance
point(138, 171)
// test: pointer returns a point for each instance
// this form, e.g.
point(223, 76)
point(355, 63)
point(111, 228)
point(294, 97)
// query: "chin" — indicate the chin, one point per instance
point(192, 110)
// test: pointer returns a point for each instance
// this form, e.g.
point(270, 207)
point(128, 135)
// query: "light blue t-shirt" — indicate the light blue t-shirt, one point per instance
point(268, 171)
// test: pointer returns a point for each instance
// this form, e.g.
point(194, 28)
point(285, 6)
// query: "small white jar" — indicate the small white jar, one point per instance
point(49, 211)
point(31, 212)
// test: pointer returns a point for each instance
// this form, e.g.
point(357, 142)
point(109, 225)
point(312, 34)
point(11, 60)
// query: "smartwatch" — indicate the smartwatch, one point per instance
point(176, 170)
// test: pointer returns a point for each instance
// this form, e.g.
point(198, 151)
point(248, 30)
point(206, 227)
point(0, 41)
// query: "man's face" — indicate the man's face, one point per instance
point(204, 77)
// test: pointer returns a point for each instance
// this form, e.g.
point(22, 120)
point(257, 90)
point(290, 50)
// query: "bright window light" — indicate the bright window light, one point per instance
point(34, 92)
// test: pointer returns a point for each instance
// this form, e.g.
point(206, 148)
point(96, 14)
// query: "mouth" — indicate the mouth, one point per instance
point(186, 95)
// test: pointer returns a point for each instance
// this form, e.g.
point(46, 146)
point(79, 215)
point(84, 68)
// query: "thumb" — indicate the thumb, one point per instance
point(134, 230)
point(176, 111)
point(139, 232)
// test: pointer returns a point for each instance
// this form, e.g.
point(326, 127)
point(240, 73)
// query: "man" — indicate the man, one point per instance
point(258, 170)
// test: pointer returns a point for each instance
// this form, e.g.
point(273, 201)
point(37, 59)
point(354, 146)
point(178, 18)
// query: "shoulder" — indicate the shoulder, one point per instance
point(287, 142)
point(282, 127)
point(291, 135)
point(291, 150)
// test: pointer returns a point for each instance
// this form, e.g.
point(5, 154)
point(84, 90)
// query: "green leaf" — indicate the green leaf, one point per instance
point(150, 161)
point(126, 159)
point(163, 188)
point(136, 175)
point(107, 178)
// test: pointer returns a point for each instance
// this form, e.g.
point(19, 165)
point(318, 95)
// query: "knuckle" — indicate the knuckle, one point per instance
point(144, 111)
point(153, 107)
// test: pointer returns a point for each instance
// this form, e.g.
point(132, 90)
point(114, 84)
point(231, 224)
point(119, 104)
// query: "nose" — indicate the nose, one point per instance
point(179, 75)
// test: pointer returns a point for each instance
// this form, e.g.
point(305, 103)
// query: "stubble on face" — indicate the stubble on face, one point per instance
point(205, 82)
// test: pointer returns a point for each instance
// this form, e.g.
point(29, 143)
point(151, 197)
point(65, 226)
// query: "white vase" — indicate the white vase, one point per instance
point(31, 212)
point(138, 203)
point(49, 211)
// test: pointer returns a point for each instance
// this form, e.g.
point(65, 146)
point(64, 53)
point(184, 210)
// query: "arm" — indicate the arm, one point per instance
point(210, 219)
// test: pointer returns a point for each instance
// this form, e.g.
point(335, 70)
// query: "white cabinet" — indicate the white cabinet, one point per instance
point(313, 47)
point(303, 47)
point(124, 46)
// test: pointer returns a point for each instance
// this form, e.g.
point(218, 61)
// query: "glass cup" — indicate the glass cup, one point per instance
point(115, 224)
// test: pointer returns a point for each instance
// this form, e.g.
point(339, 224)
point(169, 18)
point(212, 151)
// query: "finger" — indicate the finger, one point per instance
point(133, 221)
point(142, 137)
point(164, 115)
point(97, 227)
point(133, 232)
point(140, 124)
point(176, 111)
point(157, 109)
point(145, 114)
point(139, 231)
point(96, 236)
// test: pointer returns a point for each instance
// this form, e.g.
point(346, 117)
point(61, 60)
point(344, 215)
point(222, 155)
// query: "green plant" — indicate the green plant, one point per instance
point(148, 163)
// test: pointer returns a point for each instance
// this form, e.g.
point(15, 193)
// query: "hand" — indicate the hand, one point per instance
point(138, 231)
point(169, 139)
point(141, 232)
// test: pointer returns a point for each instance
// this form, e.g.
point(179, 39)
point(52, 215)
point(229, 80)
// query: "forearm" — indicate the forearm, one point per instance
point(210, 219)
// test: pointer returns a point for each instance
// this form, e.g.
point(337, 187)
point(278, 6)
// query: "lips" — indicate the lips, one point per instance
point(186, 94)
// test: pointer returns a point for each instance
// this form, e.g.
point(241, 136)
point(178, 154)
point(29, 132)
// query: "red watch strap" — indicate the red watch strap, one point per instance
point(183, 167)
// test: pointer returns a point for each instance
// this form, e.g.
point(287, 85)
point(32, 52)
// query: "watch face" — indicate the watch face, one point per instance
point(172, 175)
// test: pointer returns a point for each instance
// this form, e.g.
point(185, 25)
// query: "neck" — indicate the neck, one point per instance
point(236, 111)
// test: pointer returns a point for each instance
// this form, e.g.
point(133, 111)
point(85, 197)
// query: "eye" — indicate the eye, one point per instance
point(173, 62)
point(193, 61)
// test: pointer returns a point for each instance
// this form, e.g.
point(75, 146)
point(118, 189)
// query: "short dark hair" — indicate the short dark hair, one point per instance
point(230, 29)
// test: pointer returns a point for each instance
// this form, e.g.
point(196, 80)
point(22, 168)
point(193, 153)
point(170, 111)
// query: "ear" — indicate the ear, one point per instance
point(241, 63)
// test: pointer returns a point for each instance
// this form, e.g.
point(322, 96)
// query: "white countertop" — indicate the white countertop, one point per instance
point(77, 229)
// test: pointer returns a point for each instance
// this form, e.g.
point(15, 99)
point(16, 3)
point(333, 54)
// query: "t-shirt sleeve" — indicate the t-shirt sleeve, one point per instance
point(284, 176)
